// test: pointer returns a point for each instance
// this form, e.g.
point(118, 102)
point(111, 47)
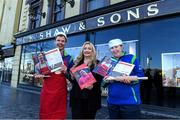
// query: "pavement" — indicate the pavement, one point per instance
point(16, 103)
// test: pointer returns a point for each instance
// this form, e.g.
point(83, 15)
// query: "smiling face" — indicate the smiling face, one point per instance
point(116, 51)
point(87, 50)
point(60, 42)
point(41, 57)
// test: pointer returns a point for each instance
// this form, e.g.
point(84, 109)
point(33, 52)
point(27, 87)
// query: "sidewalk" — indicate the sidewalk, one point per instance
point(24, 104)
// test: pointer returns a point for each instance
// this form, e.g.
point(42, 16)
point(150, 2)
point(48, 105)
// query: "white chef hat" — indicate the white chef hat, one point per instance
point(61, 34)
point(115, 42)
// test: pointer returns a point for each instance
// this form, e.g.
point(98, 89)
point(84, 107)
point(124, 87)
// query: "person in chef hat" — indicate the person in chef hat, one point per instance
point(123, 95)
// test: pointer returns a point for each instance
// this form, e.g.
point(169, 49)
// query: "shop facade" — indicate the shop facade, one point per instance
point(149, 31)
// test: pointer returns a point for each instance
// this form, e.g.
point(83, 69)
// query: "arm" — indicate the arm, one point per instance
point(68, 74)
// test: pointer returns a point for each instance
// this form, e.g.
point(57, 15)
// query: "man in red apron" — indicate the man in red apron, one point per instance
point(53, 100)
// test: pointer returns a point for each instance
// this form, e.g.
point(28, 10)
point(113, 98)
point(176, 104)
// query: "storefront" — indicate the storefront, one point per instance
point(149, 31)
point(6, 64)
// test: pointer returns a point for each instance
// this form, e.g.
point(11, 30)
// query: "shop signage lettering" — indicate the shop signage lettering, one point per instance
point(123, 16)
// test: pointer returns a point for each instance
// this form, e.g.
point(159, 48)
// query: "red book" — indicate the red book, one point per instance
point(83, 76)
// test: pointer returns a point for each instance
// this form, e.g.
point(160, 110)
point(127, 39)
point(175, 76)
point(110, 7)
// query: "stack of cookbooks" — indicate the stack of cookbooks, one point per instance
point(83, 76)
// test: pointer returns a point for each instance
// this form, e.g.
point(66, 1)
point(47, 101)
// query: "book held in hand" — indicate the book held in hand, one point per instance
point(83, 76)
point(122, 68)
point(54, 59)
point(103, 67)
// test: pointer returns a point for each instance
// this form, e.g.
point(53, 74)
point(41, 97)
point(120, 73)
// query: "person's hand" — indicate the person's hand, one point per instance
point(108, 79)
point(38, 76)
point(125, 80)
point(89, 87)
point(64, 69)
point(72, 76)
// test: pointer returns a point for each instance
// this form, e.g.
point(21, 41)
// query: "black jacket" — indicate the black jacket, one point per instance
point(93, 96)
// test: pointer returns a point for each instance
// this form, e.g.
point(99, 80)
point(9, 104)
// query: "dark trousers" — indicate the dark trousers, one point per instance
point(81, 110)
point(124, 111)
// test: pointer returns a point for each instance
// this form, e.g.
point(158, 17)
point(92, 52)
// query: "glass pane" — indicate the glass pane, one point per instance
point(160, 58)
point(30, 52)
point(57, 16)
point(74, 44)
point(128, 34)
point(95, 4)
point(29, 60)
point(171, 69)
point(6, 69)
point(57, 10)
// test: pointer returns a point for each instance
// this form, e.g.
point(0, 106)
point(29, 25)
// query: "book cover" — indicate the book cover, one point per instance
point(121, 68)
point(103, 67)
point(54, 59)
point(83, 76)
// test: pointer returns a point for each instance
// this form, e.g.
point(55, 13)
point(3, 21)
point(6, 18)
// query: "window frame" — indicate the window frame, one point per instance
point(33, 5)
point(51, 13)
point(84, 6)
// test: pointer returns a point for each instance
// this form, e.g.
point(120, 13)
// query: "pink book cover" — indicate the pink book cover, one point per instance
point(83, 76)
point(103, 67)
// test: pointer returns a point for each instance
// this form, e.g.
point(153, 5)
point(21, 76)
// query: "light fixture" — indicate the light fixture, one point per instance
point(71, 2)
point(32, 14)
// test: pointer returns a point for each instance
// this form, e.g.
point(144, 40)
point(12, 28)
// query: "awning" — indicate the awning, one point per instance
point(8, 51)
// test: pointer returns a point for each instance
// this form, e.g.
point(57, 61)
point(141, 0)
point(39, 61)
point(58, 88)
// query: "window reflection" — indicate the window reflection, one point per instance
point(6, 67)
point(159, 39)
point(31, 51)
point(95, 4)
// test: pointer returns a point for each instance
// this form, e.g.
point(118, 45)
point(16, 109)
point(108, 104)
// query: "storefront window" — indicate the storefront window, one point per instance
point(160, 59)
point(57, 10)
point(28, 64)
point(6, 70)
point(74, 44)
point(29, 51)
point(95, 4)
point(128, 34)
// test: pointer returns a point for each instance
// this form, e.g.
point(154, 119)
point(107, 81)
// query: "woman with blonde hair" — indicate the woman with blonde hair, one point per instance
point(85, 103)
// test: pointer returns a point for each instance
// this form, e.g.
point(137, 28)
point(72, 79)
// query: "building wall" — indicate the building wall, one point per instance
point(24, 18)
point(44, 9)
point(69, 12)
point(16, 63)
point(1, 12)
point(8, 24)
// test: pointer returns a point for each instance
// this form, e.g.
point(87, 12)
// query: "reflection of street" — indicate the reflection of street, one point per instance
point(152, 89)
point(6, 70)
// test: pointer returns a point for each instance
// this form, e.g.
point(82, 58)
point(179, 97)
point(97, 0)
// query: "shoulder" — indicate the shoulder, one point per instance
point(129, 55)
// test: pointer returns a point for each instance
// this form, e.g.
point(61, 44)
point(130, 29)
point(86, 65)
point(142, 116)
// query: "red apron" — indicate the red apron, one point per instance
point(53, 100)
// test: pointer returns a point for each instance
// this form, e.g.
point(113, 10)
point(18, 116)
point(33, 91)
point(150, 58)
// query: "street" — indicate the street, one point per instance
point(24, 104)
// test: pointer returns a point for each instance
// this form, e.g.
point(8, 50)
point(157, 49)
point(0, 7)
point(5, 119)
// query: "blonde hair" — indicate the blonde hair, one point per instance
point(80, 57)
